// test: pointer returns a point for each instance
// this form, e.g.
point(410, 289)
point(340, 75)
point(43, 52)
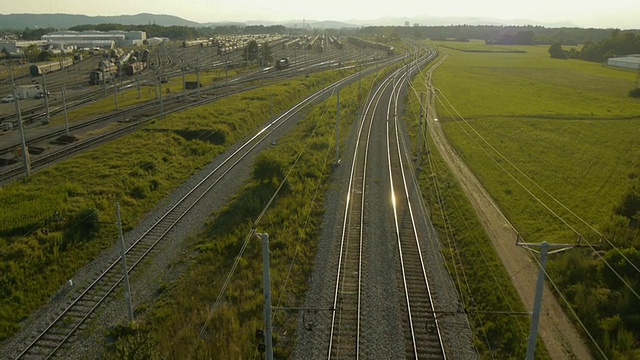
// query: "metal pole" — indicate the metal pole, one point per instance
point(360, 79)
point(226, 71)
point(155, 85)
point(115, 91)
point(104, 83)
point(198, 75)
point(422, 114)
point(161, 104)
point(46, 98)
point(184, 86)
point(124, 265)
point(338, 130)
point(64, 109)
point(23, 144)
point(535, 317)
point(267, 295)
point(138, 82)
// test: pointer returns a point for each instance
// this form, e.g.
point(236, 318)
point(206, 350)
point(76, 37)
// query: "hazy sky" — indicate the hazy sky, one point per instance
point(623, 14)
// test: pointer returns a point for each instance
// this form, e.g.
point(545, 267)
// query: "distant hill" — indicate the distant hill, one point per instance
point(65, 21)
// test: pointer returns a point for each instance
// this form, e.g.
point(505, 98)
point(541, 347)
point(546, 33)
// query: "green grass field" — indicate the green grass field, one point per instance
point(557, 144)
point(568, 125)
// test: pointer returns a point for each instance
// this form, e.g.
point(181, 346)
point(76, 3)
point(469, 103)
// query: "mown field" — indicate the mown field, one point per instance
point(557, 145)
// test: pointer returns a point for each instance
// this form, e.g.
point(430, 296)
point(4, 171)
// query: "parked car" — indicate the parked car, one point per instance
point(8, 99)
point(40, 95)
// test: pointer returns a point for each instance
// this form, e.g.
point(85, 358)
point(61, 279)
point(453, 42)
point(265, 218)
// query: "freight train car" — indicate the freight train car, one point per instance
point(200, 43)
point(133, 68)
point(51, 66)
point(104, 73)
point(365, 43)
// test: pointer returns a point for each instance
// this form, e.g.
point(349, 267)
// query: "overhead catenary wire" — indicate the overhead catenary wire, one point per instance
point(252, 232)
point(533, 195)
point(551, 196)
point(589, 244)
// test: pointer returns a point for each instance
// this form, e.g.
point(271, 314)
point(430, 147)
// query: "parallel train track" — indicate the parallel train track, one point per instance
point(420, 327)
point(172, 104)
point(422, 331)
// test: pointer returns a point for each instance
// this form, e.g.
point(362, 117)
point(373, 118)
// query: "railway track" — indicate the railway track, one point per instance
point(172, 104)
point(423, 339)
point(57, 335)
point(420, 327)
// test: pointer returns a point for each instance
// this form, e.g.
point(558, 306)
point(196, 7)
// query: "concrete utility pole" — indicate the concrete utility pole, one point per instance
point(198, 75)
point(161, 104)
point(537, 303)
point(104, 83)
point(184, 85)
point(226, 71)
point(46, 98)
point(267, 295)
point(64, 109)
point(23, 144)
point(423, 116)
point(115, 91)
point(123, 252)
point(138, 83)
point(338, 130)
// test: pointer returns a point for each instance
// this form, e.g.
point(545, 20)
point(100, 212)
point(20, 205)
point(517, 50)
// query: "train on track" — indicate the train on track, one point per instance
point(370, 44)
point(200, 43)
point(119, 64)
point(282, 63)
point(134, 67)
point(51, 66)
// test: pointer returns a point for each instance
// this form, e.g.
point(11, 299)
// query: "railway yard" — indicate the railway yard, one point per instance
point(378, 288)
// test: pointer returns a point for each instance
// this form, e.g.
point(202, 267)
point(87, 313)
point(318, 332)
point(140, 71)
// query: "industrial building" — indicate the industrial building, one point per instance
point(627, 62)
point(95, 38)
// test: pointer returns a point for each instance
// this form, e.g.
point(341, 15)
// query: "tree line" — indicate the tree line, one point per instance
point(617, 44)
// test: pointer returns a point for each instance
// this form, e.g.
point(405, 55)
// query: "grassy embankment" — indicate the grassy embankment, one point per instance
point(571, 128)
point(40, 250)
point(171, 328)
point(482, 282)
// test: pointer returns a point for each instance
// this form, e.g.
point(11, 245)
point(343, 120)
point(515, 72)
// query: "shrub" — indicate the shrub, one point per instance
point(81, 227)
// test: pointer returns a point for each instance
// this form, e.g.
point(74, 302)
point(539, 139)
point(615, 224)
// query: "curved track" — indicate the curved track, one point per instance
point(422, 331)
point(420, 326)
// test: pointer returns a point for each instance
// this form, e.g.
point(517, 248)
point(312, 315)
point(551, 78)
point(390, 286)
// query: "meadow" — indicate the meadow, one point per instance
point(568, 125)
point(557, 144)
